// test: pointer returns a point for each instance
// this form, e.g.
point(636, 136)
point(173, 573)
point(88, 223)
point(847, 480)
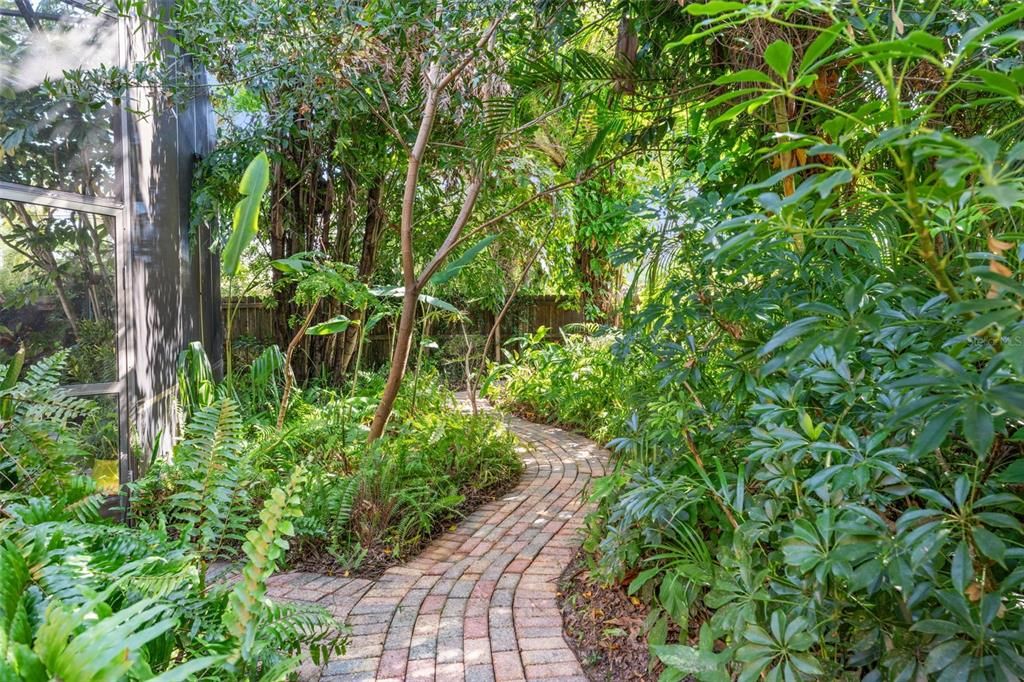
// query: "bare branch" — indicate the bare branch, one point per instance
point(472, 192)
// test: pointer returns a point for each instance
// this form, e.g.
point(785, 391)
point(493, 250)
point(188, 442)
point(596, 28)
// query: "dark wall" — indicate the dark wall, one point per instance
point(172, 278)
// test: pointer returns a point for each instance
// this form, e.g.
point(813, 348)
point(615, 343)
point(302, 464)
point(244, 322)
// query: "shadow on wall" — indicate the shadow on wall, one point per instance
point(172, 273)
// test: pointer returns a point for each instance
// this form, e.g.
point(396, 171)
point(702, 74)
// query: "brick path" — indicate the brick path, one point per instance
point(479, 602)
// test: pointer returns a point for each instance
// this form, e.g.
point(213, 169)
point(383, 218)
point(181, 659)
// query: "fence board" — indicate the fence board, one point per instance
point(255, 321)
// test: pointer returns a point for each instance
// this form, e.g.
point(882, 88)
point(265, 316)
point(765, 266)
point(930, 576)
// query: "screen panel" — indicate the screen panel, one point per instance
point(57, 126)
point(98, 431)
point(58, 288)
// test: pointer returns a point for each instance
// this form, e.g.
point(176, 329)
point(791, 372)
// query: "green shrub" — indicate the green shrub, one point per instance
point(578, 383)
point(386, 500)
point(819, 477)
point(83, 597)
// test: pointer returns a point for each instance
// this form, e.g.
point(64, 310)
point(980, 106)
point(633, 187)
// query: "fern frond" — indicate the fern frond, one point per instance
point(263, 546)
point(290, 627)
point(105, 650)
point(196, 386)
point(266, 375)
point(14, 583)
point(210, 470)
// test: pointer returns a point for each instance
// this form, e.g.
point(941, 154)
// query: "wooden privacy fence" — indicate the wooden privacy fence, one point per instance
point(255, 321)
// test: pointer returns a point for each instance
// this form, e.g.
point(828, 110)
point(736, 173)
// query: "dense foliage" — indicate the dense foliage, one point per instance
point(87, 598)
point(382, 502)
point(817, 397)
point(793, 226)
point(84, 597)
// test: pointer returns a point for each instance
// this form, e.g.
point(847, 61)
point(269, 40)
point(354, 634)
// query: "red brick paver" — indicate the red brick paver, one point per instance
point(479, 602)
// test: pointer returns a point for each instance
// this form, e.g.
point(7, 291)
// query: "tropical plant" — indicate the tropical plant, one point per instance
point(87, 598)
point(819, 472)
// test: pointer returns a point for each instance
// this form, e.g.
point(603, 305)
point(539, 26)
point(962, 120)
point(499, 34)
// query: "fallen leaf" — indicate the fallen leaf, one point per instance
point(1000, 269)
point(973, 591)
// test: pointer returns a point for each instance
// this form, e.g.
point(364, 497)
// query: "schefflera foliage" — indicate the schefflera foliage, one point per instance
point(822, 472)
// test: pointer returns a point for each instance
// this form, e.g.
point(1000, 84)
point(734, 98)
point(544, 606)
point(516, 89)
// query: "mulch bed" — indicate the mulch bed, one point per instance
point(313, 556)
point(605, 627)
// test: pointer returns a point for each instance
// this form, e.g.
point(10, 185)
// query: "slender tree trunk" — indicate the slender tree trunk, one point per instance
point(289, 376)
point(435, 85)
point(406, 323)
point(472, 379)
point(399, 359)
point(65, 302)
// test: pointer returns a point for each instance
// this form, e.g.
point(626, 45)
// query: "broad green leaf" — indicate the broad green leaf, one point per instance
point(246, 216)
point(373, 321)
point(807, 664)
point(788, 333)
point(457, 266)
point(705, 664)
point(978, 428)
point(438, 303)
point(944, 654)
point(1013, 473)
point(713, 8)
point(935, 430)
point(961, 569)
point(641, 579)
point(291, 265)
point(11, 376)
point(1010, 397)
point(332, 326)
point(779, 57)
point(937, 627)
point(820, 46)
point(745, 76)
point(833, 180)
point(399, 292)
point(989, 544)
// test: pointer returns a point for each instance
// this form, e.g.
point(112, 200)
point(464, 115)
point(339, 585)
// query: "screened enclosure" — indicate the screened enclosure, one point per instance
point(98, 261)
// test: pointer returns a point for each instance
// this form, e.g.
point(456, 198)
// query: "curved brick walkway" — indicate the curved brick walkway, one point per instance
point(479, 602)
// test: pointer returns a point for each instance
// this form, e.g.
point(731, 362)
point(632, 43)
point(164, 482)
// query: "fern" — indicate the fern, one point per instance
point(575, 66)
point(265, 376)
point(108, 648)
point(340, 501)
point(291, 627)
point(208, 479)
point(248, 613)
point(39, 452)
point(14, 609)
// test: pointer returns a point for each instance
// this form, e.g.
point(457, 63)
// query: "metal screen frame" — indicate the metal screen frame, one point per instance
point(153, 158)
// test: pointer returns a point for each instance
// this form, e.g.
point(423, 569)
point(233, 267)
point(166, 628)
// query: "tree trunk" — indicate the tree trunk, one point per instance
point(289, 376)
point(45, 260)
point(596, 292)
point(372, 230)
point(435, 85)
point(399, 361)
point(407, 322)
